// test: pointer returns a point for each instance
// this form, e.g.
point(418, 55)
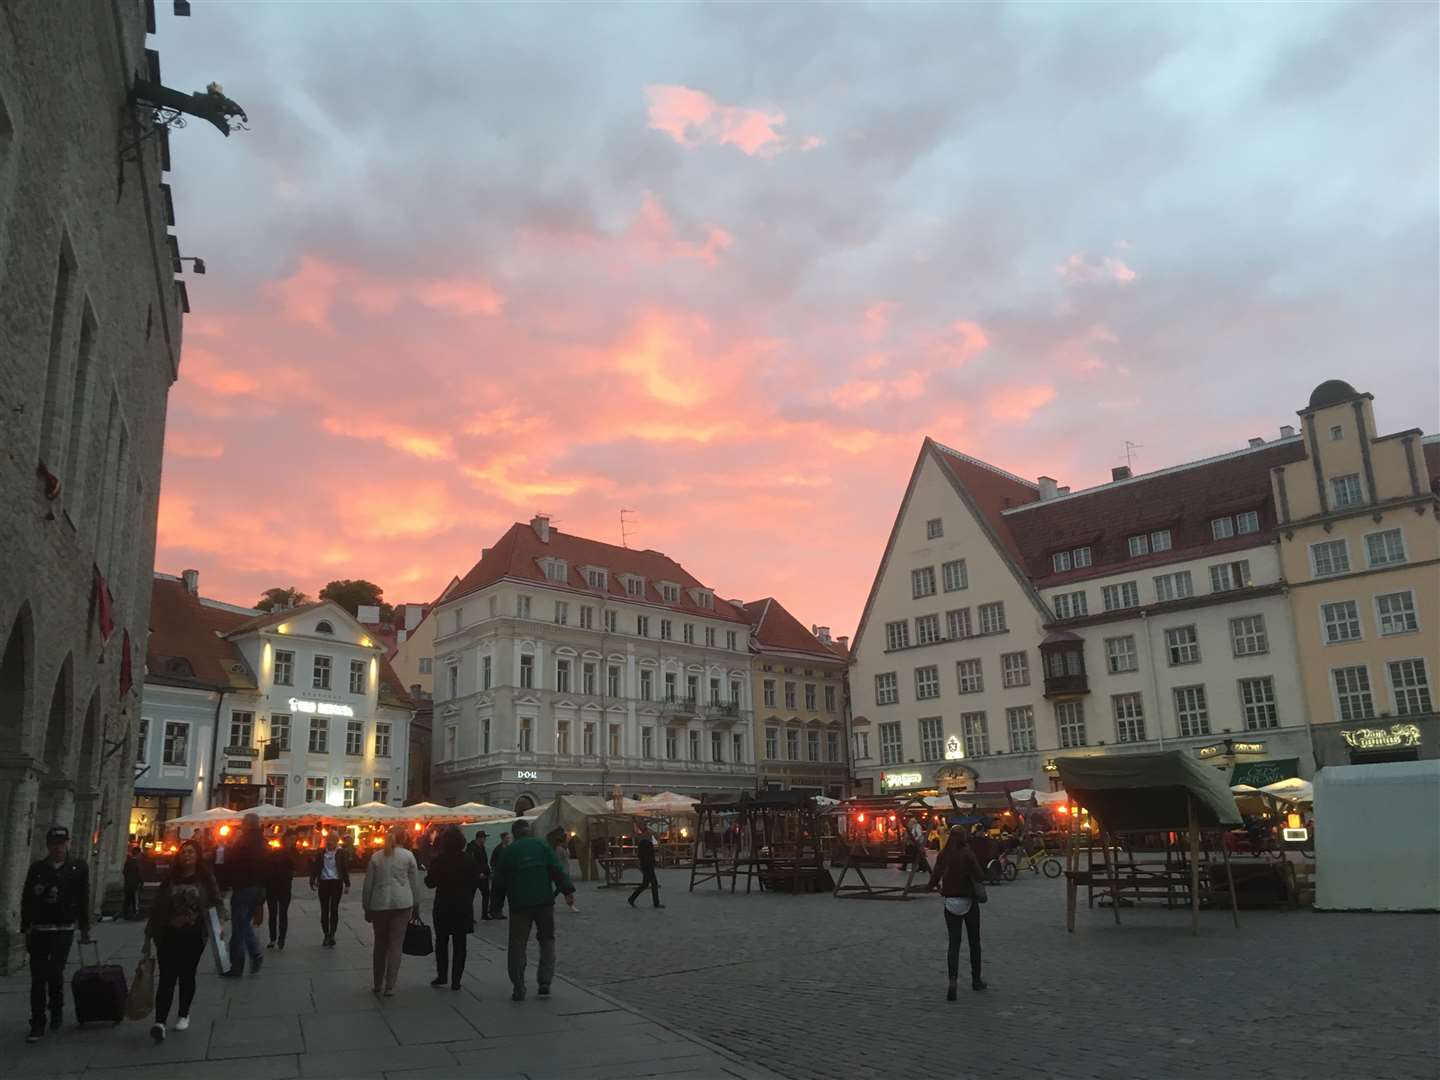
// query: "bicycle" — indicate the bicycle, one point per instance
point(1037, 862)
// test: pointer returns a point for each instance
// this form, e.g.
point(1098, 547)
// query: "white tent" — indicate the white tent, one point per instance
point(214, 816)
point(1243, 789)
point(1360, 866)
point(666, 804)
point(1293, 790)
point(470, 812)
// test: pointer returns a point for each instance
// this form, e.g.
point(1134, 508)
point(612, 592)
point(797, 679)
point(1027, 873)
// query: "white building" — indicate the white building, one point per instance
point(1012, 622)
point(565, 665)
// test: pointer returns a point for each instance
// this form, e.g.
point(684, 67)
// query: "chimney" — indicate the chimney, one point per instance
point(541, 524)
point(844, 642)
point(1287, 431)
point(1047, 488)
point(822, 632)
point(1120, 472)
point(484, 553)
point(1255, 441)
point(1064, 489)
point(192, 581)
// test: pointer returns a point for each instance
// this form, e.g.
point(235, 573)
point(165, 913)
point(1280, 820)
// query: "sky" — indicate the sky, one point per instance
point(726, 266)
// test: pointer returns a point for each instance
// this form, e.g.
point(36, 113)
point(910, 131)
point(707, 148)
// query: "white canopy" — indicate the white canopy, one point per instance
point(665, 804)
point(214, 816)
point(1244, 789)
point(474, 811)
point(1293, 790)
point(823, 801)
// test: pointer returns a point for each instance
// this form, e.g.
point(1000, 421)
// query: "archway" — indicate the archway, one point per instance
point(523, 805)
point(87, 781)
point(19, 780)
point(57, 796)
point(16, 685)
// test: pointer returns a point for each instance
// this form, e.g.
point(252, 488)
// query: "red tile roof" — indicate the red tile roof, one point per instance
point(992, 490)
point(776, 628)
point(517, 554)
point(186, 647)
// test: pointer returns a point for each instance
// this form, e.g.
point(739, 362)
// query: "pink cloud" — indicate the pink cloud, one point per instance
point(190, 444)
point(309, 294)
point(1018, 403)
point(1081, 270)
point(652, 234)
point(693, 119)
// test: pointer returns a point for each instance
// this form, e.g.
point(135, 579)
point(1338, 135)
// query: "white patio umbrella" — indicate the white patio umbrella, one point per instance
point(214, 816)
point(1292, 790)
point(477, 812)
point(1244, 789)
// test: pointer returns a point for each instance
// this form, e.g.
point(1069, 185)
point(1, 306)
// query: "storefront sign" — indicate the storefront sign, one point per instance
point(953, 748)
point(241, 751)
point(526, 776)
point(1230, 747)
point(1259, 773)
point(1380, 739)
point(1247, 747)
point(323, 708)
point(1210, 751)
point(901, 779)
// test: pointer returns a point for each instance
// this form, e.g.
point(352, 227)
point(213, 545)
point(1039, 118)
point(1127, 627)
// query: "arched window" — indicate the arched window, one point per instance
point(324, 627)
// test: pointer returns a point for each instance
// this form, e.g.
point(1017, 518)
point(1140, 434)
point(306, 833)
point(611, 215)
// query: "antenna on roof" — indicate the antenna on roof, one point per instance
point(624, 533)
point(1130, 448)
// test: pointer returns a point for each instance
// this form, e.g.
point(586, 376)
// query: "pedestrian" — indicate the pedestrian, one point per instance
point(645, 852)
point(55, 902)
point(916, 846)
point(476, 851)
point(279, 877)
point(391, 898)
point(179, 929)
point(329, 876)
point(957, 873)
point(525, 871)
point(556, 839)
point(453, 876)
point(244, 871)
point(497, 893)
point(133, 879)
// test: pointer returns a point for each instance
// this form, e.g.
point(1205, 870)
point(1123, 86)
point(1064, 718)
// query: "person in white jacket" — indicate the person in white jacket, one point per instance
point(391, 898)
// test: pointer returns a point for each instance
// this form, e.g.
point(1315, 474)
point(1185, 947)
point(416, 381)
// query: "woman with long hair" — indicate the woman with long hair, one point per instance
point(957, 871)
point(391, 898)
point(454, 877)
point(179, 928)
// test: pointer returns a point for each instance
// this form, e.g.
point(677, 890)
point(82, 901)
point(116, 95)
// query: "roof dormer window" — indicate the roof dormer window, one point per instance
point(324, 627)
point(670, 592)
point(704, 598)
point(634, 586)
point(597, 577)
point(555, 569)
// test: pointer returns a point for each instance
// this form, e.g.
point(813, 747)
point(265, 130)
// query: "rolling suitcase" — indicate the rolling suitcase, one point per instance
point(99, 990)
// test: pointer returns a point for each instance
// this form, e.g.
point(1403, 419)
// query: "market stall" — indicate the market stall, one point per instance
point(1359, 867)
point(870, 834)
point(599, 835)
point(776, 842)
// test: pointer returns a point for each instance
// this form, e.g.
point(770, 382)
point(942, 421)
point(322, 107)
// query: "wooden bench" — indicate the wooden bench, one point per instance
point(613, 868)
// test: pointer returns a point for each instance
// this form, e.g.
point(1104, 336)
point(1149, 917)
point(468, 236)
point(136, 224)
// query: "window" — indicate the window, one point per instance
point(1409, 687)
point(647, 684)
point(614, 684)
point(1247, 635)
point(612, 621)
point(1222, 528)
point(731, 640)
point(1070, 719)
point(1060, 561)
point(812, 746)
point(349, 789)
point(832, 746)
point(891, 752)
point(427, 665)
point(485, 735)
point(319, 735)
point(1020, 722)
point(1352, 694)
point(284, 667)
point(587, 617)
point(1385, 548)
point(562, 736)
point(1329, 557)
point(1257, 697)
point(769, 693)
point(927, 629)
point(1341, 620)
point(176, 748)
point(692, 688)
point(1080, 557)
point(562, 676)
point(1139, 545)
point(556, 569)
point(1129, 718)
point(562, 613)
point(1247, 522)
point(862, 745)
point(1015, 669)
point(315, 789)
point(977, 735)
point(887, 689)
point(1070, 605)
point(772, 742)
point(452, 678)
point(792, 744)
point(527, 671)
point(380, 790)
point(897, 635)
point(932, 739)
point(672, 745)
point(934, 529)
point(587, 739)
point(525, 735)
point(671, 693)
point(487, 667)
point(320, 676)
point(1346, 491)
point(642, 625)
point(737, 747)
point(1227, 576)
point(1337, 433)
point(705, 598)
point(717, 746)
point(1176, 586)
point(922, 582)
point(280, 733)
point(695, 746)
point(810, 697)
point(992, 618)
point(970, 675)
point(597, 578)
point(927, 682)
point(689, 630)
point(323, 627)
point(1120, 654)
point(954, 575)
point(382, 740)
point(829, 699)
point(634, 586)
point(789, 695)
point(667, 629)
point(1160, 540)
point(1192, 711)
point(522, 607)
point(1396, 613)
point(277, 786)
point(615, 743)
point(710, 637)
point(357, 676)
point(670, 593)
point(1183, 645)
point(242, 729)
point(355, 738)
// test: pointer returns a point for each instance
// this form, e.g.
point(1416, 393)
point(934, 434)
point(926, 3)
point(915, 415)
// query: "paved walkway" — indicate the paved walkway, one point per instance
point(310, 1013)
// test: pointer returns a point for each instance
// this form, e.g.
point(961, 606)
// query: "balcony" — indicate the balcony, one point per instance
point(1063, 686)
point(1062, 656)
point(680, 707)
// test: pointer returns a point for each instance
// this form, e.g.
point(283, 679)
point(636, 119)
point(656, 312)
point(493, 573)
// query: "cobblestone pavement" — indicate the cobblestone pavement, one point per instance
point(811, 986)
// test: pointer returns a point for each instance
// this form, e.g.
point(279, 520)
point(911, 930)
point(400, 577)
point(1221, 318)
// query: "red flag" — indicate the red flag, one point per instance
point(125, 676)
point(104, 607)
point(50, 480)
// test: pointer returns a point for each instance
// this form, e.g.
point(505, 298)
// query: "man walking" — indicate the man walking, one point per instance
point(476, 850)
point(244, 872)
point(525, 871)
point(55, 902)
point(330, 875)
point(645, 852)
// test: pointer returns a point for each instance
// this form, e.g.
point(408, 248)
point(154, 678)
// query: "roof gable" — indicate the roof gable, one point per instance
point(775, 628)
point(302, 621)
point(187, 644)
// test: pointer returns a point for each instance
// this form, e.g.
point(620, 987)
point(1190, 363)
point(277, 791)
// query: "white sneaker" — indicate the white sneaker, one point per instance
point(157, 1032)
point(182, 1024)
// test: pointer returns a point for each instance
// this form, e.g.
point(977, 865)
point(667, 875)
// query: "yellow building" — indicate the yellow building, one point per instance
point(1358, 526)
point(414, 659)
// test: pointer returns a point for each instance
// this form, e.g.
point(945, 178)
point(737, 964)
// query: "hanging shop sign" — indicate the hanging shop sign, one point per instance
point(901, 779)
point(1231, 747)
point(322, 708)
point(241, 751)
point(1398, 735)
point(954, 750)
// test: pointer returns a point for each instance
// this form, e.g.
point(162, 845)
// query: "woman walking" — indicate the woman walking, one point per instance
point(391, 898)
point(957, 871)
point(279, 876)
point(179, 928)
point(454, 877)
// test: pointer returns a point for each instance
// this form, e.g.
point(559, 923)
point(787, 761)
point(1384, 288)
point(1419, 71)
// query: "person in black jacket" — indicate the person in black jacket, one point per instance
point(329, 874)
point(645, 852)
point(56, 901)
point(179, 928)
point(453, 876)
point(476, 850)
point(244, 873)
point(279, 877)
point(133, 881)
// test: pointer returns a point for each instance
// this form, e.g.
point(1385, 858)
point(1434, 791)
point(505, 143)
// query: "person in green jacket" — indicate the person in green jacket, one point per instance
point(527, 872)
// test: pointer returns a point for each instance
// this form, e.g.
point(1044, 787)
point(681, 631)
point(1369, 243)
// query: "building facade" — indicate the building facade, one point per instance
point(90, 338)
point(1359, 543)
point(801, 690)
point(565, 665)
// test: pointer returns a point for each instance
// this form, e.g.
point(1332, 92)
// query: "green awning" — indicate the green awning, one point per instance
point(1259, 773)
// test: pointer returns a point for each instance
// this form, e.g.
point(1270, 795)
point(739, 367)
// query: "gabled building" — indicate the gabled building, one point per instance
point(801, 690)
point(566, 665)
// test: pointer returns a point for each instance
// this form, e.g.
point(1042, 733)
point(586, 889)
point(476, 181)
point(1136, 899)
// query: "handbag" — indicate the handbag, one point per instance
point(219, 950)
point(982, 896)
point(140, 1002)
point(418, 939)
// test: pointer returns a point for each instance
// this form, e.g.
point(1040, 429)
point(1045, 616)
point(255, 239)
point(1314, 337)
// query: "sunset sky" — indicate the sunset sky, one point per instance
point(726, 266)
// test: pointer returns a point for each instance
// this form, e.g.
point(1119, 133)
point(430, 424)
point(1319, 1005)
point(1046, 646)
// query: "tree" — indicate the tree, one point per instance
point(352, 595)
point(280, 599)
